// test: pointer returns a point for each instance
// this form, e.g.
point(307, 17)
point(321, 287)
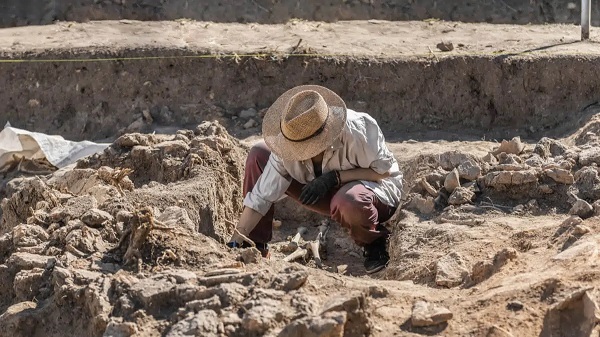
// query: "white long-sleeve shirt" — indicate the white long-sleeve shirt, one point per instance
point(361, 145)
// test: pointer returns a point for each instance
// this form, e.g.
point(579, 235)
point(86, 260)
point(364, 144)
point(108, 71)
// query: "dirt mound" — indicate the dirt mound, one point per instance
point(118, 246)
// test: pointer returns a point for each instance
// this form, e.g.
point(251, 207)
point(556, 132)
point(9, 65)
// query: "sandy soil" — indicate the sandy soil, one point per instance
point(373, 38)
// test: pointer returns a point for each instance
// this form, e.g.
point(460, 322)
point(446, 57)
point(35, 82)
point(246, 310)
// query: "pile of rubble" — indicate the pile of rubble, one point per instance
point(129, 242)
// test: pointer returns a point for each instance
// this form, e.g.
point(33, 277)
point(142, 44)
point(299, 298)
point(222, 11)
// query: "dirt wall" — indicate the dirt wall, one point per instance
point(28, 12)
point(487, 96)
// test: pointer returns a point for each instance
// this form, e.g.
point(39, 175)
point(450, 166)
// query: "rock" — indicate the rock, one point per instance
point(469, 170)
point(96, 218)
point(173, 148)
point(153, 294)
point(74, 209)
point(291, 278)
point(589, 156)
point(588, 250)
point(181, 275)
point(582, 208)
point(205, 323)
point(250, 124)
point(428, 314)
point(27, 283)
point(422, 205)
point(120, 329)
point(248, 113)
point(452, 181)
point(451, 270)
point(176, 217)
point(534, 161)
point(561, 176)
point(514, 306)
point(461, 195)
point(576, 315)
point(21, 261)
point(20, 317)
point(231, 293)
point(451, 159)
point(349, 304)
point(29, 235)
point(213, 303)
point(262, 317)
point(596, 206)
point(508, 178)
point(250, 255)
point(483, 270)
point(445, 46)
point(514, 146)
point(330, 324)
point(490, 159)
point(548, 147)
point(581, 230)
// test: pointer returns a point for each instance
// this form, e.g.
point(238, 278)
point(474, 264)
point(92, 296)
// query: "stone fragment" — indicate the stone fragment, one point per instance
point(451, 159)
point(231, 293)
point(181, 275)
point(507, 178)
point(250, 255)
point(153, 293)
point(590, 156)
point(120, 329)
point(513, 146)
point(452, 181)
point(469, 170)
point(96, 218)
point(445, 46)
point(205, 323)
point(29, 235)
point(291, 278)
point(21, 261)
point(548, 147)
point(514, 306)
point(422, 205)
point(461, 195)
point(581, 230)
point(173, 148)
point(584, 249)
point(330, 324)
point(213, 303)
point(535, 161)
point(582, 208)
point(176, 217)
point(575, 315)
point(27, 283)
point(561, 176)
point(248, 113)
point(250, 124)
point(19, 317)
point(451, 270)
point(261, 317)
point(349, 304)
point(428, 314)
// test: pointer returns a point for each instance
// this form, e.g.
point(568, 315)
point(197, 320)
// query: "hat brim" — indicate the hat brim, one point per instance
point(299, 151)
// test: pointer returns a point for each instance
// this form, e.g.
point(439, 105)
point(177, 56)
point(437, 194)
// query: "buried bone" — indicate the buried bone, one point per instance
point(295, 243)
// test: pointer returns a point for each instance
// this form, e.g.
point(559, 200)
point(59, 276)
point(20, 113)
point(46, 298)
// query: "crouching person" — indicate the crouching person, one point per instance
point(332, 160)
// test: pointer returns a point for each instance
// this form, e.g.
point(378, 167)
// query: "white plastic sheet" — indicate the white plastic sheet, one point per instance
point(17, 143)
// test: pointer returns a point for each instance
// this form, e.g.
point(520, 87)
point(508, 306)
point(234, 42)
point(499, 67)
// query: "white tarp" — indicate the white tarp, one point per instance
point(16, 144)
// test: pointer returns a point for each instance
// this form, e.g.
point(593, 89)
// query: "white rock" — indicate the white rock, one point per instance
point(452, 181)
point(248, 113)
point(461, 195)
point(451, 270)
point(428, 314)
point(250, 124)
point(469, 170)
point(582, 208)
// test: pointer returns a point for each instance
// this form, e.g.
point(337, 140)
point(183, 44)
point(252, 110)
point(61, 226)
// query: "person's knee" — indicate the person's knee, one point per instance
point(259, 153)
point(350, 205)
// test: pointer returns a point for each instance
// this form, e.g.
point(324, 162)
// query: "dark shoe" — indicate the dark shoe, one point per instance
point(263, 248)
point(376, 256)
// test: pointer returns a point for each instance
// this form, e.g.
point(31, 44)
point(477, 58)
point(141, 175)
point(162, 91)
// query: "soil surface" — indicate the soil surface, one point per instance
point(498, 80)
point(497, 235)
point(20, 12)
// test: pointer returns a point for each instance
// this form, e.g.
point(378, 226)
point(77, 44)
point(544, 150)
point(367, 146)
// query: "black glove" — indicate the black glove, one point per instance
point(318, 188)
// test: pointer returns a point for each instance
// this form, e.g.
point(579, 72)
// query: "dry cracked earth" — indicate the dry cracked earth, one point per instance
point(494, 239)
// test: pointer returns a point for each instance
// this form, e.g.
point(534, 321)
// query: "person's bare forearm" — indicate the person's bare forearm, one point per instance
point(248, 220)
point(361, 174)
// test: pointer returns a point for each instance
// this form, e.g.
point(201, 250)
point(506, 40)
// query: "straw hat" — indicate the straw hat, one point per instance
point(304, 122)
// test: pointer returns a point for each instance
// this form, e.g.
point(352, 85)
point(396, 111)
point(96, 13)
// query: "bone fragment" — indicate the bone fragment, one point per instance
point(298, 253)
point(294, 244)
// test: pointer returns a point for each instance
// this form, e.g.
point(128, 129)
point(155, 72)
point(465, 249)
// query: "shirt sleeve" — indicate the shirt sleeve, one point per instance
point(270, 187)
point(370, 143)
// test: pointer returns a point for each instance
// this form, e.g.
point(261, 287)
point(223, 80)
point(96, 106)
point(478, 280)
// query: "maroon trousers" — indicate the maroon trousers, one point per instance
point(354, 206)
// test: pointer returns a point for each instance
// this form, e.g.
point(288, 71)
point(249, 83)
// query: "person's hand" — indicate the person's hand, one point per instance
point(318, 188)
